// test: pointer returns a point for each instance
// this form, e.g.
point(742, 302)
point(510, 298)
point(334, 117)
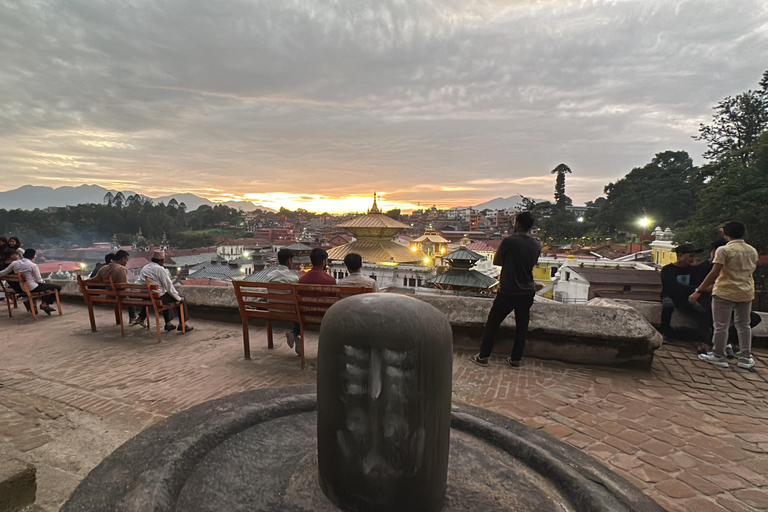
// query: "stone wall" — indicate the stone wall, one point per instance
point(601, 334)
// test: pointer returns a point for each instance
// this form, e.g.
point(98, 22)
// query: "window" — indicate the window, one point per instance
point(411, 282)
point(405, 281)
point(552, 271)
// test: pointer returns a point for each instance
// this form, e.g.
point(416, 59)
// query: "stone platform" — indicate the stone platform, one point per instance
point(257, 451)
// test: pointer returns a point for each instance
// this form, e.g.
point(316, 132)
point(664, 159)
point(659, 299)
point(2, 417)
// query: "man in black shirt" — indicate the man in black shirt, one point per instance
point(678, 281)
point(517, 255)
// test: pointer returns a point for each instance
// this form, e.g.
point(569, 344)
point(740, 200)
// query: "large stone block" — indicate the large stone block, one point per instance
point(18, 485)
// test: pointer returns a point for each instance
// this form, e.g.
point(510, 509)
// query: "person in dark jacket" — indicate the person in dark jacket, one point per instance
point(517, 255)
point(678, 282)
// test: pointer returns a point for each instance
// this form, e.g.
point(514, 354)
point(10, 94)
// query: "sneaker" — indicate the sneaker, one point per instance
point(513, 364)
point(187, 329)
point(48, 309)
point(481, 361)
point(133, 321)
point(290, 338)
point(703, 348)
point(729, 351)
point(169, 327)
point(746, 362)
point(718, 361)
point(299, 344)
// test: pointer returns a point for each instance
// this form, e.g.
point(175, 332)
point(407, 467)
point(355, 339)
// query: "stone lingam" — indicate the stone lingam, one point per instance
point(379, 434)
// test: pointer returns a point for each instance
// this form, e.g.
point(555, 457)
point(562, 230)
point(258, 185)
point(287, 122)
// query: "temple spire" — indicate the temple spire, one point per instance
point(374, 208)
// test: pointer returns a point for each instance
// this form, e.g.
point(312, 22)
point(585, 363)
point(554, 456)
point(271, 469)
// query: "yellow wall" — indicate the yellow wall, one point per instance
point(663, 256)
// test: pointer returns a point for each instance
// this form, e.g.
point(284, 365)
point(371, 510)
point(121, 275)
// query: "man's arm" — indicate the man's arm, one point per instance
point(706, 285)
point(10, 268)
point(498, 258)
point(36, 274)
point(168, 284)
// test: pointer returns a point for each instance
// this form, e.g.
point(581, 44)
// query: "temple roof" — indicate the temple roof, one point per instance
point(465, 278)
point(373, 220)
point(463, 254)
point(435, 239)
point(376, 251)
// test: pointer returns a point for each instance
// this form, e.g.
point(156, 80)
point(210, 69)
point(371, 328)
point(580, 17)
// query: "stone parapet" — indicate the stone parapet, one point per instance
point(600, 333)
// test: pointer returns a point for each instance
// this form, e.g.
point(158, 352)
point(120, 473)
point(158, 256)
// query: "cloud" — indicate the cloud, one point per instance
point(335, 98)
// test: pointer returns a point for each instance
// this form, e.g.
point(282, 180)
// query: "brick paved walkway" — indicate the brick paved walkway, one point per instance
point(693, 437)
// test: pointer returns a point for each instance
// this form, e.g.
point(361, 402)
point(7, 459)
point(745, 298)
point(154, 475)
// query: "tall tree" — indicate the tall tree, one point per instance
point(118, 200)
point(108, 198)
point(736, 124)
point(561, 200)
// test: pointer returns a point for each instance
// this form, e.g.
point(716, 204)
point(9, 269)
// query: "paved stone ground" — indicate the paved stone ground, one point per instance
point(691, 436)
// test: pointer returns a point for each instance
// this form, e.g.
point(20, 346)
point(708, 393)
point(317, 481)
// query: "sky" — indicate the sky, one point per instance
point(319, 103)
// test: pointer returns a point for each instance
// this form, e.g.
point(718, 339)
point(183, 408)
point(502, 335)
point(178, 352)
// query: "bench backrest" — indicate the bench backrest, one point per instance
point(96, 292)
point(273, 301)
point(314, 300)
point(137, 294)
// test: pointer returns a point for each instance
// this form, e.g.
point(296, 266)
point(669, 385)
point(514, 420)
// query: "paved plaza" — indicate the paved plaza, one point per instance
point(691, 436)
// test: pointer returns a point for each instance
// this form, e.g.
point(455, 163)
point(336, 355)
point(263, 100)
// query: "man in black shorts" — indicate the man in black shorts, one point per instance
point(517, 255)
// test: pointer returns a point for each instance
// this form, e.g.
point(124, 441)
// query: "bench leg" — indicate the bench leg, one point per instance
point(8, 301)
point(90, 316)
point(303, 360)
point(183, 320)
point(119, 315)
point(32, 307)
point(58, 301)
point(157, 323)
point(246, 338)
point(269, 334)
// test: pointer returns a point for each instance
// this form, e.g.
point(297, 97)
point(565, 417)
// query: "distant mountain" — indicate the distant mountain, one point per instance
point(501, 203)
point(30, 197)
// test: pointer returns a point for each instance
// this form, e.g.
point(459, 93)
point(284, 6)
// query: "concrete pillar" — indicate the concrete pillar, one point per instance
point(384, 404)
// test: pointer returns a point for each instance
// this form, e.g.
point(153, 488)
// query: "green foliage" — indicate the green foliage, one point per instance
point(737, 191)
point(86, 223)
point(557, 223)
point(663, 190)
point(394, 214)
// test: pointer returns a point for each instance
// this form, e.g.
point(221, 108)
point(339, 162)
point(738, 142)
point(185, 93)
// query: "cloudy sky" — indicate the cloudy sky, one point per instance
point(304, 102)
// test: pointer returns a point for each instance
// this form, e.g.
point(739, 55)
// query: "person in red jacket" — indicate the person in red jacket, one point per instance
point(317, 275)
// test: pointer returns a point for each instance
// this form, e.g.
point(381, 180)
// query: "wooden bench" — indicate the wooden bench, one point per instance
point(31, 294)
point(304, 304)
point(145, 295)
point(98, 293)
point(9, 296)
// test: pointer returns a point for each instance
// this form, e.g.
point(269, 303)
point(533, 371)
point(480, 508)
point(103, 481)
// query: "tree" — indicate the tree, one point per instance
point(394, 213)
point(118, 200)
point(663, 190)
point(173, 203)
point(561, 200)
point(736, 124)
point(735, 192)
point(108, 198)
point(183, 206)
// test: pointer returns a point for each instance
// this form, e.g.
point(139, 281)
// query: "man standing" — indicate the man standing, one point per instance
point(733, 292)
point(317, 275)
point(158, 275)
point(284, 274)
point(115, 269)
point(517, 255)
point(354, 263)
point(678, 282)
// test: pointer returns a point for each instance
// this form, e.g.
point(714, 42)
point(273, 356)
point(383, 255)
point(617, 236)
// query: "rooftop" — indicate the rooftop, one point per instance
point(689, 435)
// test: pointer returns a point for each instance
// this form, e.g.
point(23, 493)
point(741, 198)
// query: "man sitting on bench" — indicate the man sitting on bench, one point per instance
point(31, 274)
point(678, 281)
point(158, 275)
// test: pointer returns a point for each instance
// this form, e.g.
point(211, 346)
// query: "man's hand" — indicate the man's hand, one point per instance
point(694, 297)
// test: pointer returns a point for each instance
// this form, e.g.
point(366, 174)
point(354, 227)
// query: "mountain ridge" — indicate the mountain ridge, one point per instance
point(31, 197)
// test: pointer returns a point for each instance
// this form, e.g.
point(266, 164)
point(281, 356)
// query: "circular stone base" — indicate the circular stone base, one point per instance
point(257, 451)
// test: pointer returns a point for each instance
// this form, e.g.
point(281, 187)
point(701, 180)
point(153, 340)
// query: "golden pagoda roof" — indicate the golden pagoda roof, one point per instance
point(376, 251)
point(435, 239)
point(373, 220)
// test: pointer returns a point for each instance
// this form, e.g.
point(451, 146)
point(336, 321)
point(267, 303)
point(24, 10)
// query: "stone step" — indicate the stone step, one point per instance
point(18, 485)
